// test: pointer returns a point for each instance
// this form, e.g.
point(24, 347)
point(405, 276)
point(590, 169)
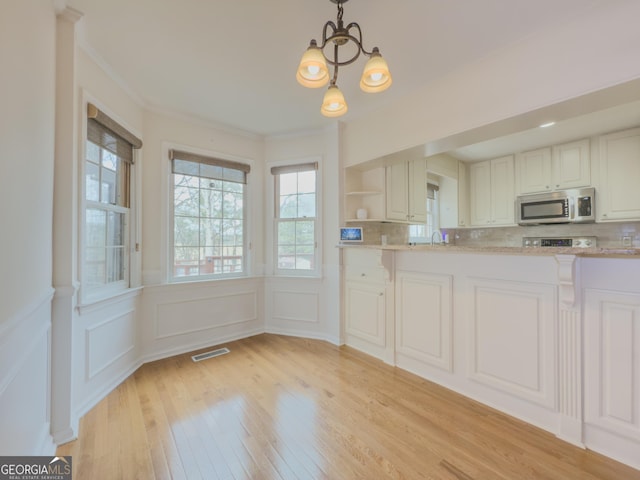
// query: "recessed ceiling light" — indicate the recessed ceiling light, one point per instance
point(548, 124)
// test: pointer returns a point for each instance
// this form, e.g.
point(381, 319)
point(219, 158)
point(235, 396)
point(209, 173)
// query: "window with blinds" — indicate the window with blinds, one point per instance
point(209, 216)
point(107, 198)
point(296, 218)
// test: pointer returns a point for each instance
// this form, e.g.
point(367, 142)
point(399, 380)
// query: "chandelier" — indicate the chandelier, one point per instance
point(313, 71)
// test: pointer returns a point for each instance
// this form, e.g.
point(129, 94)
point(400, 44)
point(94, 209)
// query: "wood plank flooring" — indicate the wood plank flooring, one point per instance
point(289, 408)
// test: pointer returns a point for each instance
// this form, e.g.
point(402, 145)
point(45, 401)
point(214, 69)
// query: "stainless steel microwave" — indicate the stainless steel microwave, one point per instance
point(562, 206)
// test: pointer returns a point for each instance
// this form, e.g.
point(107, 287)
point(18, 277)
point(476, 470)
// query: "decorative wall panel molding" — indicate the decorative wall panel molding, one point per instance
point(195, 315)
point(612, 362)
point(25, 363)
point(424, 318)
point(109, 341)
point(512, 332)
point(296, 306)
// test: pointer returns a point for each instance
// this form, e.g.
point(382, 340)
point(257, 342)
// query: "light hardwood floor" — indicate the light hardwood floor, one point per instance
point(289, 408)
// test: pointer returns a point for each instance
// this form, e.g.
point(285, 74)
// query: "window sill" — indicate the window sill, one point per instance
point(208, 282)
point(292, 276)
point(97, 302)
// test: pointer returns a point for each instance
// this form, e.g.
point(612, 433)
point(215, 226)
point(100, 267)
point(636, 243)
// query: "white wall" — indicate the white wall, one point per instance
point(95, 344)
point(164, 131)
point(27, 55)
point(301, 306)
point(595, 51)
point(182, 317)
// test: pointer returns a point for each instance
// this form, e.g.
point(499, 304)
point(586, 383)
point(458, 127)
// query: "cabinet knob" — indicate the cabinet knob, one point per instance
point(381, 294)
point(363, 274)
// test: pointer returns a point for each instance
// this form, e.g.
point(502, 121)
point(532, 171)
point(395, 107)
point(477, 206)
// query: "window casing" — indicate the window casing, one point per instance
point(107, 206)
point(208, 217)
point(433, 209)
point(423, 233)
point(296, 225)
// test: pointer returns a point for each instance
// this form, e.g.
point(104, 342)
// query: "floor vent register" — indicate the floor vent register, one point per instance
point(213, 353)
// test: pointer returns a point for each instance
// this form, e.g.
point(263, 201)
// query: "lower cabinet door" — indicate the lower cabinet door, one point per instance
point(365, 314)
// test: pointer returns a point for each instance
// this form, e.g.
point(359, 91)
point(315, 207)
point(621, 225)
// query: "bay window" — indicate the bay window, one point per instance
point(108, 163)
point(208, 215)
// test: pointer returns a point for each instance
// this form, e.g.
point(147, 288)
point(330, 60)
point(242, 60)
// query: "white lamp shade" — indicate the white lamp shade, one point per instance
point(313, 71)
point(333, 104)
point(376, 76)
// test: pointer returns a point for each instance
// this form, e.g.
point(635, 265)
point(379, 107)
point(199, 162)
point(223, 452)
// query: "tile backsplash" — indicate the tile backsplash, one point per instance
point(609, 235)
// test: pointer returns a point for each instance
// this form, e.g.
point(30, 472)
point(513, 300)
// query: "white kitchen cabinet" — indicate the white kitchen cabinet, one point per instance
point(406, 191)
point(618, 193)
point(533, 171)
point(491, 192)
point(553, 168)
point(571, 164)
point(368, 294)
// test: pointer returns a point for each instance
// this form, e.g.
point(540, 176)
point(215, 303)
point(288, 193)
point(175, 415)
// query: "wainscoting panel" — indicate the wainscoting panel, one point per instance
point(25, 362)
point(612, 362)
point(295, 306)
point(105, 340)
point(298, 306)
point(109, 341)
point(424, 318)
point(512, 338)
point(206, 313)
point(182, 317)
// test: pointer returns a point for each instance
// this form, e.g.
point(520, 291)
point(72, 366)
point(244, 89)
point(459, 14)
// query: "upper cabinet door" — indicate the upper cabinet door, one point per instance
point(480, 193)
point(418, 191)
point(618, 197)
point(572, 165)
point(407, 191)
point(502, 191)
point(491, 192)
point(533, 171)
point(397, 192)
point(547, 169)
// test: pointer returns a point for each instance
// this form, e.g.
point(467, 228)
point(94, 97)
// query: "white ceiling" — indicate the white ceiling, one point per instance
point(234, 62)
point(578, 127)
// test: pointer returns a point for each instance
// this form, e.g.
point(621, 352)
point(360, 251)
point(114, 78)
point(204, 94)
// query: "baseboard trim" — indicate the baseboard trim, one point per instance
point(304, 334)
point(172, 352)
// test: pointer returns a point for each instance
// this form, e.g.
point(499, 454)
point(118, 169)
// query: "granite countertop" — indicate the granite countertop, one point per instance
point(581, 252)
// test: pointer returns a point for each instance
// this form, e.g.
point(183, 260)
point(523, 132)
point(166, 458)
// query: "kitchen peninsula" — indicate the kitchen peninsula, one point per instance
point(549, 335)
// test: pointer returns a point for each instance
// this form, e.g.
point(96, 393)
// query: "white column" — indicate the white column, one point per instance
point(64, 424)
point(569, 351)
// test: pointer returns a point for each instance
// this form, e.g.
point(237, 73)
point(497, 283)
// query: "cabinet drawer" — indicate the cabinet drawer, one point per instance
point(356, 273)
point(364, 257)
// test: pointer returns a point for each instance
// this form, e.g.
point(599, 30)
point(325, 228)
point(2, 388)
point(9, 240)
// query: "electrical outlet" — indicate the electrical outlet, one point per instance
point(626, 240)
